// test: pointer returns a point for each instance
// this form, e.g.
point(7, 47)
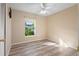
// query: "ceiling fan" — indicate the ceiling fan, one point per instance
point(44, 8)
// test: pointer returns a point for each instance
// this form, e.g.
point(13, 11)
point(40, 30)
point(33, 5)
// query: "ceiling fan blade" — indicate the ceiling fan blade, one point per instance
point(43, 5)
point(48, 7)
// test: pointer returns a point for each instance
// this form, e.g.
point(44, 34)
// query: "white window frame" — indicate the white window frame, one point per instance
point(26, 19)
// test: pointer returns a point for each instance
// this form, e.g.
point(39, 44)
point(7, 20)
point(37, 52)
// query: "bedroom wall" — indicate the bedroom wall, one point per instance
point(63, 26)
point(18, 30)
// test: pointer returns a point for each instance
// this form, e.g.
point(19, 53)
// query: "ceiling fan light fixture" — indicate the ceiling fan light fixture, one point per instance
point(43, 8)
point(43, 12)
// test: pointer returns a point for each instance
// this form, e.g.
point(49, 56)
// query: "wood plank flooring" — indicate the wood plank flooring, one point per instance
point(40, 48)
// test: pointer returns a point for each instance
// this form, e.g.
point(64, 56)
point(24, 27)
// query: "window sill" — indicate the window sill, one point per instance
point(29, 36)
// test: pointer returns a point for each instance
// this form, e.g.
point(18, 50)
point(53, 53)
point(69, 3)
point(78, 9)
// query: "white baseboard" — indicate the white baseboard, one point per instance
point(19, 43)
point(25, 42)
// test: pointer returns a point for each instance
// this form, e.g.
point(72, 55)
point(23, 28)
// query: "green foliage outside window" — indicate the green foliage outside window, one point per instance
point(29, 29)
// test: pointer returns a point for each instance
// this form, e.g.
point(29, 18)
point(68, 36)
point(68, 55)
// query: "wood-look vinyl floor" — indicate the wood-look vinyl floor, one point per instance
point(40, 48)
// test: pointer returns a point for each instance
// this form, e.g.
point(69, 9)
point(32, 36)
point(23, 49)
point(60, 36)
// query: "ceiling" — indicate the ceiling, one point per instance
point(36, 7)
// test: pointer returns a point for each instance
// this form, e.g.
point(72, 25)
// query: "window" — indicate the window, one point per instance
point(29, 27)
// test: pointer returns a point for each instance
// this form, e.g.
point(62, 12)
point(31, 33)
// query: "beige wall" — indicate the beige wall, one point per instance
point(18, 21)
point(63, 26)
point(8, 32)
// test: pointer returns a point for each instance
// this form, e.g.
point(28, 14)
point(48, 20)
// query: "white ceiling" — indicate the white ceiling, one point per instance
point(36, 8)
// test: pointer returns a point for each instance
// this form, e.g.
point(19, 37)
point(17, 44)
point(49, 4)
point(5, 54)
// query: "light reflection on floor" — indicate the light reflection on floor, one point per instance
point(51, 44)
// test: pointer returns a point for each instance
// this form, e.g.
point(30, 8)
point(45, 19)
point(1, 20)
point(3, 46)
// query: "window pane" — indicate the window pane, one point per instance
point(29, 27)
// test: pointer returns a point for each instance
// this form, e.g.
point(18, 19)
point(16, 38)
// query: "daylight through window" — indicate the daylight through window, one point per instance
point(29, 27)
